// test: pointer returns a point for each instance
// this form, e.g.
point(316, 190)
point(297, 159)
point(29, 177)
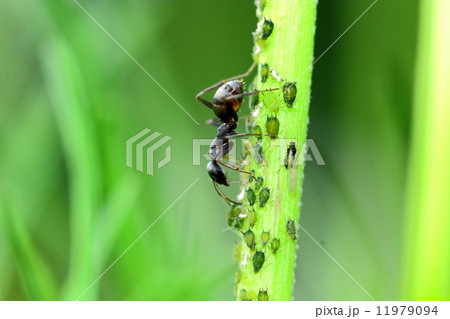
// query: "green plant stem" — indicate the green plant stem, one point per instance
point(289, 51)
point(426, 259)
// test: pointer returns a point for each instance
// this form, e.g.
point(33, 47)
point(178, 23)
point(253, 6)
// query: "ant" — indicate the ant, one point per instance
point(226, 103)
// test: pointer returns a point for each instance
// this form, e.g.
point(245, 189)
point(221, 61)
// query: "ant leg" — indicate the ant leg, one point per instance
point(236, 168)
point(225, 197)
point(232, 159)
point(237, 96)
point(240, 135)
point(244, 135)
point(215, 86)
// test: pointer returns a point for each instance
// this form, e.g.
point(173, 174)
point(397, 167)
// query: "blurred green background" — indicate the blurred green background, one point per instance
point(70, 98)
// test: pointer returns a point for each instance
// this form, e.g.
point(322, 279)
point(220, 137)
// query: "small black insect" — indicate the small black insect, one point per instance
point(290, 163)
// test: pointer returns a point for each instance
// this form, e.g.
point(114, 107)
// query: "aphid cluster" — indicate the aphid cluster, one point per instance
point(226, 104)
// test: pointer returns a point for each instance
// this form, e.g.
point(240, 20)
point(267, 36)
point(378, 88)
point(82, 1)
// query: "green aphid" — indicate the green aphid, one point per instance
point(263, 295)
point(258, 260)
point(239, 222)
point(292, 232)
point(259, 182)
point(254, 101)
point(272, 126)
point(256, 129)
point(244, 295)
point(264, 196)
point(249, 239)
point(233, 214)
point(251, 197)
point(275, 245)
point(289, 93)
point(258, 154)
point(252, 177)
point(265, 237)
point(264, 72)
point(251, 217)
point(267, 29)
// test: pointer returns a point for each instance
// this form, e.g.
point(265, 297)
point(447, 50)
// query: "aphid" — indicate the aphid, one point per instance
point(258, 183)
point(226, 103)
point(291, 164)
point(251, 215)
point(290, 227)
point(251, 197)
point(233, 214)
point(235, 218)
point(289, 93)
point(289, 161)
point(272, 126)
point(258, 154)
point(275, 245)
point(253, 100)
point(256, 129)
point(267, 29)
point(251, 177)
point(264, 196)
point(264, 72)
point(265, 237)
point(239, 222)
point(249, 239)
point(258, 261)
point(244, 295)
point(263, 295)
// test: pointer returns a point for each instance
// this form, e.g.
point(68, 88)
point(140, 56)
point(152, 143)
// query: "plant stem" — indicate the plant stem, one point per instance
point(288, 50)
point(427, 220)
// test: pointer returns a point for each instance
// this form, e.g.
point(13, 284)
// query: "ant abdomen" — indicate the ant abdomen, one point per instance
point(216, 173)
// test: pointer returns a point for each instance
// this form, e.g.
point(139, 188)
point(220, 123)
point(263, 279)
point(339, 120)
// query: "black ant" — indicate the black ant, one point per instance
point(226, 103)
